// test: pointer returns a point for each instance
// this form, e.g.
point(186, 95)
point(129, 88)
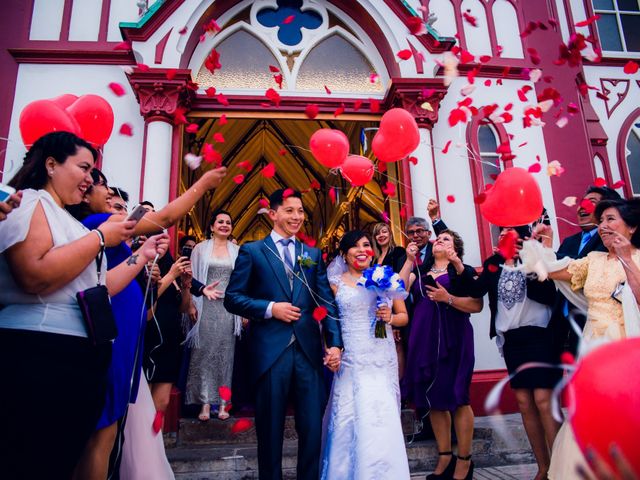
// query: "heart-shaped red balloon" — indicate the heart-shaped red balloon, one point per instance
point(330, 147)
point(357, 170)
point(604, 400)
point(63, 101)
point(397, 137)
point(43, 116)
point(95, 118)
point(515, 199)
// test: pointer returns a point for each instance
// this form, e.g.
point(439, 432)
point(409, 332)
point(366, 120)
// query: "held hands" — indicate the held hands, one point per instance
point(433, 208)
point(285, 312)
point(214, 177)
point(384, 313)
point(439, 294)
point(332, 358)
point(211, 292)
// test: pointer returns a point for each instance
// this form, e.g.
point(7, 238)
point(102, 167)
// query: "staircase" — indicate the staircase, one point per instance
point(208, 450)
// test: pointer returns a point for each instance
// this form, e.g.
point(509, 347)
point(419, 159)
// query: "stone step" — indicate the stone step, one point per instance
point(238, 461)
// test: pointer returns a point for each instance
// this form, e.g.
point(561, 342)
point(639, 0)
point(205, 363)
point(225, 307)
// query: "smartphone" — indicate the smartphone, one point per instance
point(430, 281)
point(6, 191)
point(186, 252)
point(137, 214)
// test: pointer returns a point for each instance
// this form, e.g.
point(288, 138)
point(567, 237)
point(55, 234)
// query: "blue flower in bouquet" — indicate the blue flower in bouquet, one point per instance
point(387, 285)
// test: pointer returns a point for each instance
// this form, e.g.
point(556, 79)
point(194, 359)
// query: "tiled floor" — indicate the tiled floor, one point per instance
point(508, 472)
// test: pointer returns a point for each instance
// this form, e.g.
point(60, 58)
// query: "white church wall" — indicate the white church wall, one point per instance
point(445, 23)
point(477, 37)
point(122, 154)
point(85, 20)
point(46, 21)
point(507, 31)
point(120, 11)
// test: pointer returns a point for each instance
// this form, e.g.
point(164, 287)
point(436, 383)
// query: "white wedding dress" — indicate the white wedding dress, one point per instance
point(362, 434)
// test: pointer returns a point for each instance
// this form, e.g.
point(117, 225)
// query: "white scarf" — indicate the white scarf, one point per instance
point(200, 260)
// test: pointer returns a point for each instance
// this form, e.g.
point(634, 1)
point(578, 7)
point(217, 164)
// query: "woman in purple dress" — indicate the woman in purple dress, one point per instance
point(440, 357)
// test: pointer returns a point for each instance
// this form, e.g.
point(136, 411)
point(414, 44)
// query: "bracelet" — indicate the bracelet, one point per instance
point(450, 300)
point(100, 236)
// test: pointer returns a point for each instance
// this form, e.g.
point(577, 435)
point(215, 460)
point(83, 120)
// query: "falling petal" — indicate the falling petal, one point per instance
point(126, 129)
point(241, 425)
point(245, 165)
point(269, 171)
point(192, 128)
point(562, 122)
point(223, 120)
point(554, 168)
point(326, 89)
point(210, 92)
point(192, 161)
point(404, 54)
point(311, 111)
point(451, 198)
point(238, 179)
point(535, 168)
point(445, 150)
point(319, 313)
point(631, 67)
point(117, 89)
point(570, 201)
point(218, 137)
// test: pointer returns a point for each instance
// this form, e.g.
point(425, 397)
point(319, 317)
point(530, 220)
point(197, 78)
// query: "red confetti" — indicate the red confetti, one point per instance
point(222, 99)
point(263, 202)
point(278, 79)
point(269, 171)
point(413, 160)
point(630, 67)
point(507, 244)
point(126, 45)
point(211, 92)
point(320, 313)
point(245, 165)
point(356, 105)
point(171, 73)
point(445, 150)
point(470, 19)
point(492, 268)
point(182, 31)
point(332, 195)
point(456, 116)
point(126, 129)
point(218, 137)
point(600, 182)
point(326, 89)
point(484, 58)
point(212, 27)
point(382, 167)
point(311, 111)
point(315, 185)
point(389, 189)
point(211, 155)
point(274, 69)
point(403, 212)
point(404, 54)
point(567, 358)
point(588, 21)
point(374, 105)
point(282, 152)
point(212, 62)
point(241, 425)
point(192, 128)
point(481, 197)
point(225, 393)
point(287, 193)
point(273, 96)
point(238, 179)
point(288, 20)
point(143, 67)
point(534, 55)
point(466, 57)
point(618, 184)
point(587, 206)
point(223, 120)
point(339, 110)
point(117, 89)
point(534, 168)
point(451, 198)
point(416, 26)
point(179, 116)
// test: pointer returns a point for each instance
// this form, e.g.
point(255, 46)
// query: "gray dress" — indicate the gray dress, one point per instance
point(211, 364)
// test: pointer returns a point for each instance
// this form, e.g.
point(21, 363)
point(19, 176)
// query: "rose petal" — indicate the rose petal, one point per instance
point(320, 313)
point(631, 67)
point(570, 201)
point(445, 150)
point(241, 425)
point(535, 168)
point(117, 89)
point(245, 165)
point(238, 179)
point(311, 111)
point(326, 89)
point(223, 120)
point(192, 161)
point(218, 137)
point(451, 198)
point(126, 129)
point(192, 128)
point(269, 171)
point(404, 54)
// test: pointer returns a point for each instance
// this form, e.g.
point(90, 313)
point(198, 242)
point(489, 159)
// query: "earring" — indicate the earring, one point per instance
point(50, 172)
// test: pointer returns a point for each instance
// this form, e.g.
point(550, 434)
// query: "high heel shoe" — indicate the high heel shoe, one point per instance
point(447, 473)
point(469, 475)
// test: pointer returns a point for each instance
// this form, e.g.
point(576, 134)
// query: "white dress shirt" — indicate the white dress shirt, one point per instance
point(276, 237)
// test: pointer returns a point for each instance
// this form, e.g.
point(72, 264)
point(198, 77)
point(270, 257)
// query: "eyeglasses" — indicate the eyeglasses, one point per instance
point(119, 207)
point(417, 231)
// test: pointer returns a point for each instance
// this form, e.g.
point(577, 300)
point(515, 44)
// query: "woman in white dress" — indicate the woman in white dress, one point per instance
point(362, 434)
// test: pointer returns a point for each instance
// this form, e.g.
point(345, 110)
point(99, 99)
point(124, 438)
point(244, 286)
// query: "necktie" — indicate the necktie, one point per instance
point(419, 258)
point(586, 236)
point(286, 256)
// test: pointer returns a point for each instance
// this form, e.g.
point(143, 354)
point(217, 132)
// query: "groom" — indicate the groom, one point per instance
point(268, 287)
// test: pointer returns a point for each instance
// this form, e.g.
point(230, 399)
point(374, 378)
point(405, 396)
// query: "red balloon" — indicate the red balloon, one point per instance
point(63, 101)
point(95, 118)
point(515, 199)
point(330, 147)
point(605, 396)
point(44, 116)
point(397, 137)
point(357, 170)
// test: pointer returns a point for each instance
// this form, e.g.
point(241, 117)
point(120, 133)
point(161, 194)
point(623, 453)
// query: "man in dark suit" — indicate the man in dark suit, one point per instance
point(579, 245)
point(276, 283)
point(418, 231)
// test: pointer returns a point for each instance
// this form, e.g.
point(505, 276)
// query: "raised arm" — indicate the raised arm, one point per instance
point(40, 269)
point(406, 271)
point(153, 222)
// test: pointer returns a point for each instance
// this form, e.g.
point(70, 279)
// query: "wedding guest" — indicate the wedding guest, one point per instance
point(119, 200)
point(47, 258)
point(520, 313)
point(579, 245)
point(386, 252)
point(440, 357)
point(212, 338)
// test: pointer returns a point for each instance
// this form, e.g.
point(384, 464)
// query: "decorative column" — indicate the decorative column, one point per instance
point(421, 98)
point(164, 96)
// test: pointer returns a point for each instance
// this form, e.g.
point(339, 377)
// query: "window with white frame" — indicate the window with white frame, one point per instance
point(487, 146)
point(632, 157)
point(618, 25)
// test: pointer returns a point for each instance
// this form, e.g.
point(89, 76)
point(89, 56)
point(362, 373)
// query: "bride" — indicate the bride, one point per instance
point(362, 435)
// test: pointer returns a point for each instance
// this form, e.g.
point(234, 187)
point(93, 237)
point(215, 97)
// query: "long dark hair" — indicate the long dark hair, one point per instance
point(629, 211)
point(215, 214)
point(351, 238)
point(57, 145)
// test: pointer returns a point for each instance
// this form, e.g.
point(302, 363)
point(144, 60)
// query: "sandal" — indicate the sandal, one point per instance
point(222, 410)
point(205, 413)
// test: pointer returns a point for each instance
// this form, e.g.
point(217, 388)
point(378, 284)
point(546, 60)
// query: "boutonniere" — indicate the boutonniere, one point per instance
point(305, 261)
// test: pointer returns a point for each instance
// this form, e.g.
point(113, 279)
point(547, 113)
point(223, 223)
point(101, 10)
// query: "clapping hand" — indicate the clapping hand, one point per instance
point(211, 292)
point(332, 358)
point(437, 294)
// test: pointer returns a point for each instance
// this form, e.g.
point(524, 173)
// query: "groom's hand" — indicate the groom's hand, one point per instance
point(285, 312)
point(332, 358)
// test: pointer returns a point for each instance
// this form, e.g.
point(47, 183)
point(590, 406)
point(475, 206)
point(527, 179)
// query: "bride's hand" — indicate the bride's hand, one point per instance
point(332, 358)
point(384, 313)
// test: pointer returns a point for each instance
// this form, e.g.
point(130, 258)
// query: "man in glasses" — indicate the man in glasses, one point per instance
point(418, 230)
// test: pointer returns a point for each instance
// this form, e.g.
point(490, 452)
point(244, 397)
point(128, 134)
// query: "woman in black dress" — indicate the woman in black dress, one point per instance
point(520, 313)
point(384, 248)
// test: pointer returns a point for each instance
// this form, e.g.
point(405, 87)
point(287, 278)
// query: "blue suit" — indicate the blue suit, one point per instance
point(283, 368)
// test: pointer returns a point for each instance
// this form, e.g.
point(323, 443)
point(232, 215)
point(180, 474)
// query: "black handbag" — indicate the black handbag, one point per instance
point(97, 312)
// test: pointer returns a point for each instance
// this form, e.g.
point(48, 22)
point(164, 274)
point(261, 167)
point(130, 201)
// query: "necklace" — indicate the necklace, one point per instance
point(438, 270)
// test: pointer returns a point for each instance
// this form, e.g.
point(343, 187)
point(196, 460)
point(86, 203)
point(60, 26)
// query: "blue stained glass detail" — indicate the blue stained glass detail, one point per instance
point(289, 33)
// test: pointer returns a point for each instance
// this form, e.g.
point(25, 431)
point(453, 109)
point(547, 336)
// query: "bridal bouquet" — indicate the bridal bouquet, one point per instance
point(388, 287)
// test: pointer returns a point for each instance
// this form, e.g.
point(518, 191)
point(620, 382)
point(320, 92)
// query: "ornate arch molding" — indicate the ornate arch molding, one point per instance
point(621, 150)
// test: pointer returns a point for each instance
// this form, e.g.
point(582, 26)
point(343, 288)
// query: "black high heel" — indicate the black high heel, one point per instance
point(447, 473)
point(469, 475)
